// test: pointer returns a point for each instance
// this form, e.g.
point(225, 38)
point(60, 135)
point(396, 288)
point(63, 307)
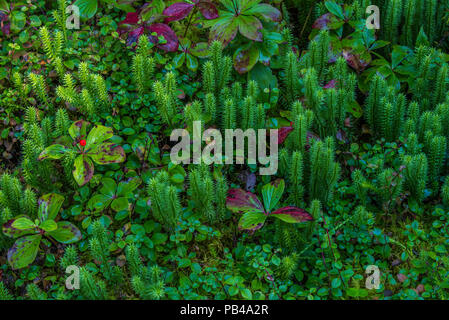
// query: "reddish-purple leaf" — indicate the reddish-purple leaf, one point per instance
point(323, 21)
point(208, 10)
point(292, 215)
point(283, 134)
point(177, 11)
point(239, 200)
point(134, 36)
point(131, 18)
point(330, 84)
point(5, 24)
point(169, 35)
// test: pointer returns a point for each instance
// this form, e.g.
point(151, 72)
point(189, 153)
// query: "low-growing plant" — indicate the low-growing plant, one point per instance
point(29, 233)
point(89, 147)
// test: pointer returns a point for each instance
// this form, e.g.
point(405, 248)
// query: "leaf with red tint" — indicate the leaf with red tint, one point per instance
point(292, 215)
point(250, 26)
point(169, 35)
point(6, 28)
point(5, 24)
point(131, 18)
point(245, 59)
point(134, 36)
point(208, 10)
point(265, 10)
point(177, 11)
point(283, 134)
point(330, 84)
point(239, 200)
point(355, 61)
point(252, 221)
point(323, 21)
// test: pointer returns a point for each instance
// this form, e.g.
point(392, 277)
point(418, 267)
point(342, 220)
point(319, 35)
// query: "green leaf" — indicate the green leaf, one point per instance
point(264, 76)
point(252, 221)
point(35, 21)
point(184, 263)
point(336, 283)
point(249, 27)
point(200, 50)
point(109, 187)
point(97, 135)
point(78, 129)
point(48, 225)
point(179, 59)
point(272, 193)
point(246, 294)
point(399, 54)
point(12, 232)
point(18, 20)
point(223, 29)
point(335, 9)
point(120, 204)
point(66, 233)
point(108, 153)
point(84, 170)
point(127, 187)
point(49, 206)
point(55, 151)
point(4, 6)
point(88, 8)
point(24, 251)
point(265, 10)
point(245, 59)
point(192, 62)
point(99, 201)
point(23, 223)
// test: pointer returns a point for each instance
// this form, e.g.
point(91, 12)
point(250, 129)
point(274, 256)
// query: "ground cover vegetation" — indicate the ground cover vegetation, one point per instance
point(86, 178)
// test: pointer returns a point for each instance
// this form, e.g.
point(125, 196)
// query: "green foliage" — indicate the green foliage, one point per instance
point(363, 120)
point(29, 233)
point(324, 171)
point(165, 204)
point(143, 67)
point(217, 71)
point(88, 148)
point(415, 174)
point(4, 294)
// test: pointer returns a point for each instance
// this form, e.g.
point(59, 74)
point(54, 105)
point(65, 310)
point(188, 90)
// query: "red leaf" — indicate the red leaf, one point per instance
point(292, 214)
point(6, 27)
point(177, 11)
point(131, 18)
point(283, 134)
point(330, 84)
point(208, 10)
point(134, 35)
point(169, 35)
point(239, 200)
point(323, 21)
